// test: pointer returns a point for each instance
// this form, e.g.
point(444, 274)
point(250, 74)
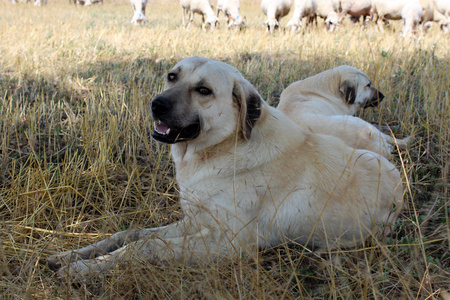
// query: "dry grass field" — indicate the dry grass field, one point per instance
point(77, 162)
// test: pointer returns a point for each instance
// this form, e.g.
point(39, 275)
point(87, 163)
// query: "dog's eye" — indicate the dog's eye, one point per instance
point(204, 91)
point(171, 76)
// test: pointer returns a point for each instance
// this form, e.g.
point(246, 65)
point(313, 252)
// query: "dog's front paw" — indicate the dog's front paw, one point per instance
point(65, 258)
point(80, 271)
point(85, 270)
point(408, 141)
point(403, 144)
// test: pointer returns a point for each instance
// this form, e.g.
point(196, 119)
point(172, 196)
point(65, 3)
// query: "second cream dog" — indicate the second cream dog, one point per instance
point(325, 104)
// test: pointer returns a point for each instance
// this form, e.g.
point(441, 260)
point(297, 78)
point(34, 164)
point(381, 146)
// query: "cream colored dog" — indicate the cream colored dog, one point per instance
point(325, 104)
point(249, 177)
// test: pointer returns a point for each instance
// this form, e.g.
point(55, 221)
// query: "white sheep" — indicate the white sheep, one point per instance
point(443, 6)
point(90, 2)
point(275, 10)
point(443, 12)
point(302, 8)
point(139, 11)
point(231, 10)
point(428, 11)
point(411, 15)
point(430, 15)
point(328, 10)
point(202, 7)
point(408, 10)
point(356, 9)
point(39, 2)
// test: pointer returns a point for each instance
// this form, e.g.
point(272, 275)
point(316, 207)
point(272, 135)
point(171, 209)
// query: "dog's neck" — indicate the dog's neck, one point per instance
point(192, 155)
point(181, 152)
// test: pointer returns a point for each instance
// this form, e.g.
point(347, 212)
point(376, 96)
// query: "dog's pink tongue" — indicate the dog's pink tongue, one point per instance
point(161, 127)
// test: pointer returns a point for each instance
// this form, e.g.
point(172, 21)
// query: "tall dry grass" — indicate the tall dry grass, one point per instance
point(77, 163)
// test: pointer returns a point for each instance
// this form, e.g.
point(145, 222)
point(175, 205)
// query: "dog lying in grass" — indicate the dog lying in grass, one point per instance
point(249, 178)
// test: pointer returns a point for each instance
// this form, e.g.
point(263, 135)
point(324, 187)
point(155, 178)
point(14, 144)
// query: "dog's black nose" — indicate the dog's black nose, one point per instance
point(380, 96)
point(160, 106)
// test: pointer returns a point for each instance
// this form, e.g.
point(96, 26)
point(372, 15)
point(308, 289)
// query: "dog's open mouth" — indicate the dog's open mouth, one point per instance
point(162, 128)
point(170, 135)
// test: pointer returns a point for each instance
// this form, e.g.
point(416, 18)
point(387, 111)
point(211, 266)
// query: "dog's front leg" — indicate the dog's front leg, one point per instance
point(103, 247)
point(198, 247)
point(115, 242)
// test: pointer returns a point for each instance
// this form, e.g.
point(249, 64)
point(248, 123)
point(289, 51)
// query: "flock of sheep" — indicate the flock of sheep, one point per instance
point(414, 13)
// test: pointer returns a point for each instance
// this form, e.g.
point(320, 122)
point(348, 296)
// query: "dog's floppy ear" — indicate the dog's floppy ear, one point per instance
point(249, 103)
point(348, 91)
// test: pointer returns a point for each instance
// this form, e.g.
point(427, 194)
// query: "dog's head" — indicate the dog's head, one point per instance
point(357, 90)
point(207, 101)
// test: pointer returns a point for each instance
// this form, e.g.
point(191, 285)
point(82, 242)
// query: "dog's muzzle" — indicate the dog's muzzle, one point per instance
point(166, 130)
point(376, 99)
